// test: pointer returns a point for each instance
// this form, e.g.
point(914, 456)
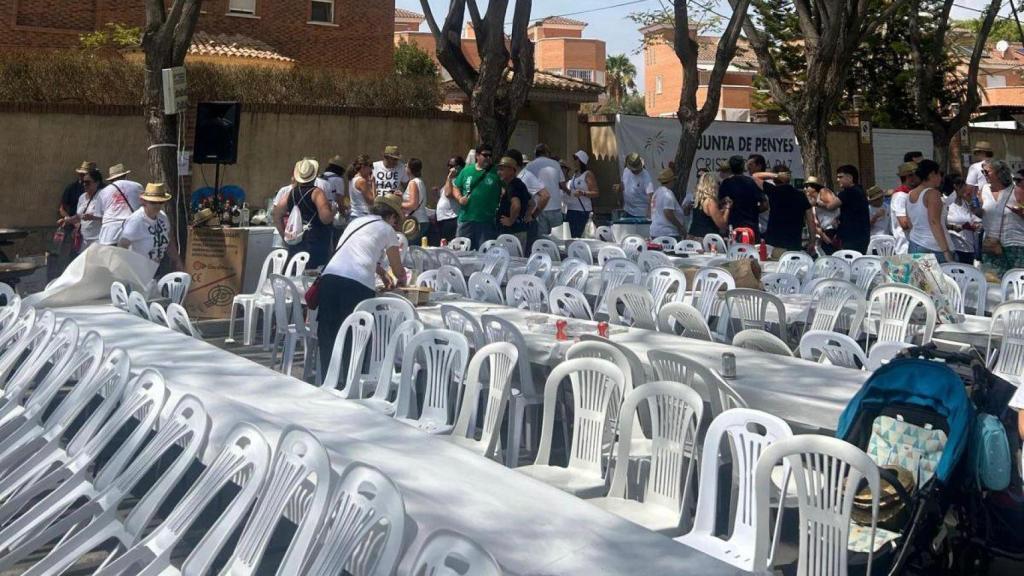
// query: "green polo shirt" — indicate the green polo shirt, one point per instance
point(483, 190)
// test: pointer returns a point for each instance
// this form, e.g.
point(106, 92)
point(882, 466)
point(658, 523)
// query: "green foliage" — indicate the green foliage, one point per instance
point(621, 77)
point(701, 12)
point(87, 79)
point(632, 104)
point(411, 60)
point(1002, 29)
point(114, 36)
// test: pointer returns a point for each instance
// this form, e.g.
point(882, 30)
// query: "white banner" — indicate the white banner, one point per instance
point(656, 140)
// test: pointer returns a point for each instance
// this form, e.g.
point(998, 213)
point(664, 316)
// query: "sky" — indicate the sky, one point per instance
point(608, 19)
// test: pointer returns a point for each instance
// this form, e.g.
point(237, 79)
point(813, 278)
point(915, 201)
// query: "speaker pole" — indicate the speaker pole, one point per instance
point(216, 179)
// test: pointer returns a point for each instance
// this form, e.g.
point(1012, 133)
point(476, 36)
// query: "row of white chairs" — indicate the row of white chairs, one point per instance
point(174, 316)
point(260, 303)
point(49, 466)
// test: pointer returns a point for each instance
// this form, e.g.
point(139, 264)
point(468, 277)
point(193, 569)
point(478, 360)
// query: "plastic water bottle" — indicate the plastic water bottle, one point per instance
point(423, 242)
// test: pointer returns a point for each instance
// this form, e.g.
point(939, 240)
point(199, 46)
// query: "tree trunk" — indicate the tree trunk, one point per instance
point(940, 140)
point(686, 152)
point(163, 161)
point(812, 134)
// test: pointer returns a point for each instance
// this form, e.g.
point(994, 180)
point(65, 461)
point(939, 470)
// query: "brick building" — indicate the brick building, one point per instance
point(561, 49)
point(350, 34)
point(663, 75)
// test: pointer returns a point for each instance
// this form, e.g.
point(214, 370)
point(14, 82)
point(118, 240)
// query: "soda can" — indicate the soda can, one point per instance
point(602, 329)
point(728, 365)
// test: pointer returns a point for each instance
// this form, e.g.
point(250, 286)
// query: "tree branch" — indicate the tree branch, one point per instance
point(723, 58)
point(183, 30)
point(479, 27)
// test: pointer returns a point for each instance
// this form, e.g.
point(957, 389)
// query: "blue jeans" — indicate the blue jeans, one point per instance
point(477, 232)
point(918, 249)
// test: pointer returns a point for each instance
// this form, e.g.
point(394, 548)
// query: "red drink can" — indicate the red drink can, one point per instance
point(602, 329)
point(560, 327)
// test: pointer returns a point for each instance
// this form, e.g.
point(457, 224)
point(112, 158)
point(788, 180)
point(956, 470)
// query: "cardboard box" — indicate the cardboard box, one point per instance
point(216, 260)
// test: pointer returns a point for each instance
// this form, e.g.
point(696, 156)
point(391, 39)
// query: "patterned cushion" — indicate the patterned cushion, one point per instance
point(860, 538)
point(917, 449)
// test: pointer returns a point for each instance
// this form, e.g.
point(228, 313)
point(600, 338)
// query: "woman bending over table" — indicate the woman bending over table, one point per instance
point(349, 277)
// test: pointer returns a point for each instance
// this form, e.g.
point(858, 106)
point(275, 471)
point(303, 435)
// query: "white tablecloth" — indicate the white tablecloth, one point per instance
point(530, 527)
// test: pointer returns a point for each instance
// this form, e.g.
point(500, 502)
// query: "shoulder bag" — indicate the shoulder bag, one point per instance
point(994, 246)
point(313, 292)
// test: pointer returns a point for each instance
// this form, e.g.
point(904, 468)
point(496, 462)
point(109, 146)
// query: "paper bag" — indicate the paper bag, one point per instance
point(922, 271)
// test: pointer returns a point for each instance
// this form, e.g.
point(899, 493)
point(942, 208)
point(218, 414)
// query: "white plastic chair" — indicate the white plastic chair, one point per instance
point(832, 348)
point(539, 265)
point(865, 272)
point(157, 314)
point(832, 268)
point(388, 315)
point(496, 262)
point(883, 352)
point(580, 251)
point(573, 274)
point(615, 273)
point(751, 308)
point(389, 376)
point(713, 243)
point(137, 305)
point(675, 367)
point(796, 262)
point(891, 309)
point(668, 243)
point(954, 296)
point(427, 279)
point(119, 295)
point(297, 488)
point(296, 265)
point(604, 234)
point(607, 253)
point(605, 350)
point(780, 283)
point(742, 428)
point(364, 527)
point(653, 259)
point(421, 260)
point(686, 246)
point(593, 382)
point(634, 246)
point(675, 413)
point(1007, 360)
point(510, 243)
point(546, 246)
point(29, 342)
point(761, 341)
point(681, 319)
point(526, 291)
point(174, 286)
point(289, 324)
point(357, 331)
point(447, 257)
point(740, 251)
point(527, 395)
point(244, 463)
point(882, 245)
point(461, 244)
point(830, 302)
point(569, 303)
point(638, 307)
point(259, 302)
point(664, 281)
point(828, 474)
point(7, 294)
point(459, 320)
point(706, 286)
point(450, 279)
point(445, 549)
point(485, 288)
point(973, 286)
point(178, 320)
point(441, 357)
point(501, 360)
point(1012, 285)
point(848, 255)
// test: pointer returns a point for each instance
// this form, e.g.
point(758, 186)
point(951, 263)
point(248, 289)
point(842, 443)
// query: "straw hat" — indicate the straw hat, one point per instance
point(306, 170)
point(982, 146)
point(117, 171)
point(813, 182)
point(907, 168)
point(391, 151)
point(874, 193)
point(666, 176)
point(337, 161)
point(634, 161)
point(156, 193)
point(392, 201)
point(203, 217)
point(86, 167)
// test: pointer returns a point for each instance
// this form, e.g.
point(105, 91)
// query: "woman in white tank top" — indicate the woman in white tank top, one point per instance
point(361, 190)
point(927, 213)
point(414, 198)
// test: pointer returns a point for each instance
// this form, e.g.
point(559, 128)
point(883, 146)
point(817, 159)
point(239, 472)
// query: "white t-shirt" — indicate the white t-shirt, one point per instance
point(976, 175)
point(880, 226)
point(116, 207)
point(550, 174)
point(898, 208)
point(281, 194)
point(356, 199)
point(960, 214)
point(90, 228)
point(999, 222)
point(389, 180)
point(363, 245)
point(636, 192)
point(335, 186)
point(664, 200)
point(447, 208)
point(148, 237)
point(419, 212)
point(579, 203)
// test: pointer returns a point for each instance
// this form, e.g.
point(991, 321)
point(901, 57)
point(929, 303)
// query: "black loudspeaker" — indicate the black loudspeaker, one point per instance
point(216, 133)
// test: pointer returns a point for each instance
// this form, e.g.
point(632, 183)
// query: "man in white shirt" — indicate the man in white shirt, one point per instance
point(667, 215)
point(637, 187)
point(539, 196)
point(117, 201)
point(898, 206)
point(549, 171)
point(389, 173)
point(981, 152)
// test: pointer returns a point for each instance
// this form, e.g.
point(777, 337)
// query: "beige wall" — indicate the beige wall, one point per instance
point(41, 150)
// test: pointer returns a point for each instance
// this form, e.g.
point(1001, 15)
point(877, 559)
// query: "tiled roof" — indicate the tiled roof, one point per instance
point(558, 82)
point(233, 45)
point(403, 13)
point(708, 45)
point(1008, 97)
point(559, 20)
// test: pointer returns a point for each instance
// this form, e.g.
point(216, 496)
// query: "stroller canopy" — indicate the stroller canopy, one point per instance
point(923, 383)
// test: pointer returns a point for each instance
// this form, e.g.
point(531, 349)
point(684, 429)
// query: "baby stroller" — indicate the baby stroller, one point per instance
point(915, 418)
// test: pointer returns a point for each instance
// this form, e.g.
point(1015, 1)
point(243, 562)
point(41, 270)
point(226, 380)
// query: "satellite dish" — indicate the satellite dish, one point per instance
point(1002, 46)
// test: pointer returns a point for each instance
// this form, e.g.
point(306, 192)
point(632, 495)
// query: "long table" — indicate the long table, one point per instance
point(809, 396)
point(531, 528)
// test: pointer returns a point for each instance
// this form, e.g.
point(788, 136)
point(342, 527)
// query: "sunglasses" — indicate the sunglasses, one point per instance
point(485, 154)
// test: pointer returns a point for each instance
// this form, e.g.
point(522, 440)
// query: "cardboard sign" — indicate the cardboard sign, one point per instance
point(216, 261)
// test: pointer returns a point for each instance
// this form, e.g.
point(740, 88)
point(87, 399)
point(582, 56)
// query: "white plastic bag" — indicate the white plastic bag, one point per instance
point(293, 227)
